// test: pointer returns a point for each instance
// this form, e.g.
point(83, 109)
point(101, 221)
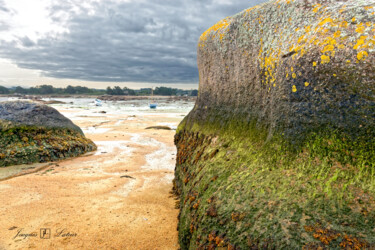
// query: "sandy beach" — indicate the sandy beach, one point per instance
point(115, 198)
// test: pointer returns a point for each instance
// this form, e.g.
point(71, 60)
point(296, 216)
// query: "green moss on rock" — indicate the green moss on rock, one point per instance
point(279, 151)
point(52, 137)
point(26, 144)
point(245, 191)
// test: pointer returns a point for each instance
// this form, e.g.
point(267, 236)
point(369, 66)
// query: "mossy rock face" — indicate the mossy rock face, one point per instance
point(279, 150)
point(31, 132)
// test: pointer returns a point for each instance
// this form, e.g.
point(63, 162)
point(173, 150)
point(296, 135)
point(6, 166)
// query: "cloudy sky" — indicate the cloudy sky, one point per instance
point(97, 43)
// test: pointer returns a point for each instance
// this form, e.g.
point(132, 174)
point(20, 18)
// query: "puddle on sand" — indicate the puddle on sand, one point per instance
point(8, 172)
point(93, 130)
point(106, 147)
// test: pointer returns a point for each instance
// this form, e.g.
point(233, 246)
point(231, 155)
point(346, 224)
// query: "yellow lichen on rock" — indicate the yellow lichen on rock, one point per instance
point(362, 55)
point(291, 69)
point(294, 88)
point(325, 59)
point(218, 29)
point(360, 28)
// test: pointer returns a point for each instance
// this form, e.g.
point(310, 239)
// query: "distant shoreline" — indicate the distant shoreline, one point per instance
point(102, 97)
point(85, 91)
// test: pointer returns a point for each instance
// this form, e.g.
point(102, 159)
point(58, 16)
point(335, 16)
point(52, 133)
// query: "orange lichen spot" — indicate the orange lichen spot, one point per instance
point(287, 75)
point(362, 55)
point(325, 31)
point(344, 24)
point(326, 20)
point(307, 84)
point(317, 7)
point(302, 52)
point(297, 29)
point(326, 236)
point(360, 42)
point(220, 28)
point(369, 7)
point(342, 9)
point(337, 34)
point(334, 75)
point(294, 88)
point(301, 39)
point(325, 59)
point(307, 29)
point(353, 19)
point(360, 28)
point(294, 75)
point(250, 9)
point(348, 61)
point(328, 48)
point(368, 24)
point(314, 64)
point(292, 69)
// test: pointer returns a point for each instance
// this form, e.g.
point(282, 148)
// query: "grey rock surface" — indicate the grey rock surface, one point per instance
point(34, 114)
point(292, 66)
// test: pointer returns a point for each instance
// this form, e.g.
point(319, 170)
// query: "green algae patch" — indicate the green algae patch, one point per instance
point(29, 144)
point(35, 133)
point(241, 190)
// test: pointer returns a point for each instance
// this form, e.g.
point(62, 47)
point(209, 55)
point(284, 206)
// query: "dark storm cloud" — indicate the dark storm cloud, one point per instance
point(150, 41)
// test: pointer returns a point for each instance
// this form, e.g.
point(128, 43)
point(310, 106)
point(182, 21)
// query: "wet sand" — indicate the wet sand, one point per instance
point(115, 198)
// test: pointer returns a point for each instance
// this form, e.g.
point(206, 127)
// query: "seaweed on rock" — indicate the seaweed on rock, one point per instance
point(22, 143)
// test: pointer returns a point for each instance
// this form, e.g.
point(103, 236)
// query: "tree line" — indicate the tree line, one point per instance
point(49, 90)
point(79, 90)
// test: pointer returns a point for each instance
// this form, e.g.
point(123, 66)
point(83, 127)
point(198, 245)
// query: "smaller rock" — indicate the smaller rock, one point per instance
point(127, 176)
point(159, 127)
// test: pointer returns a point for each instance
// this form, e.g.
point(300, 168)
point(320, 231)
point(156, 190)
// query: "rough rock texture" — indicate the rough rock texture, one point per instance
point(33, 114)
point(31, 132)
point(279, 150)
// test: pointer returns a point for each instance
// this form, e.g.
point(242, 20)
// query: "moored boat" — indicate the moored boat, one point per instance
point(98, 102)
point(152, 105)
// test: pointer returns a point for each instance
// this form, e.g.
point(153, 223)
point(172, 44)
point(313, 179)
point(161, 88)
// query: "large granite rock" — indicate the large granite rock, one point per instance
point(31, 132)
point(279, 150)
point(34, 114)
point(292, 66)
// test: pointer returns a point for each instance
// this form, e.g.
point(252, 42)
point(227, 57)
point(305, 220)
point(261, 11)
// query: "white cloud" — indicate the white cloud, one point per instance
point(110, 40)
point(31, 19)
